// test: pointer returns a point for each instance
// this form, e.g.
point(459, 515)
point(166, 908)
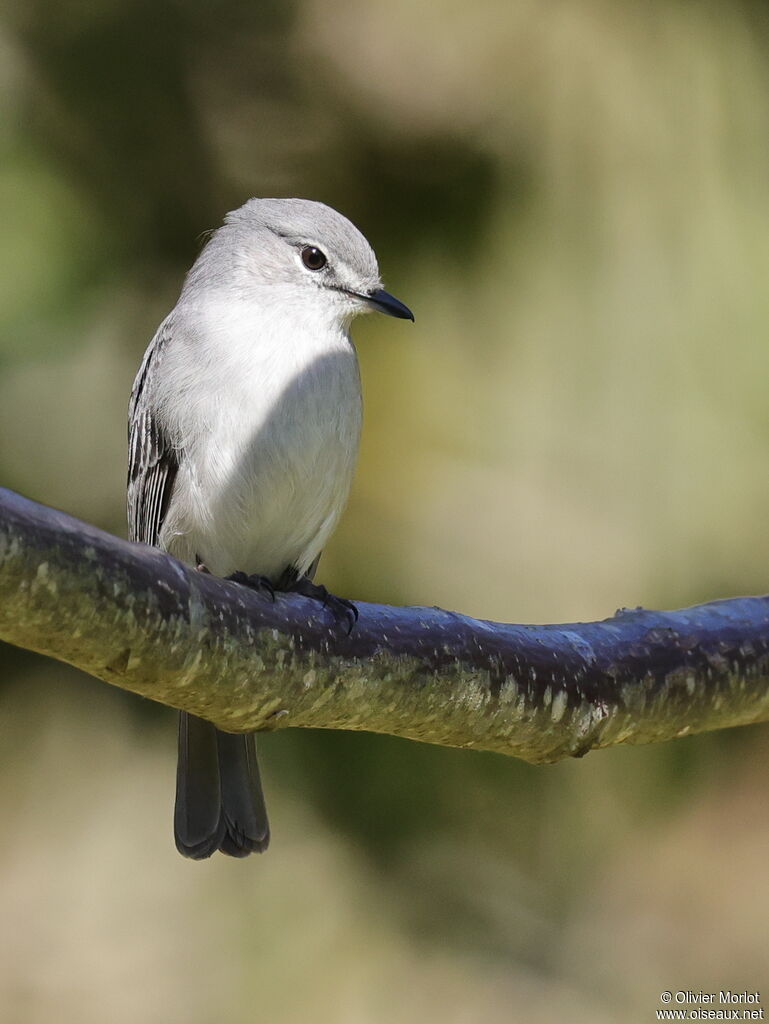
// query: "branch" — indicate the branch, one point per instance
point(141, 620)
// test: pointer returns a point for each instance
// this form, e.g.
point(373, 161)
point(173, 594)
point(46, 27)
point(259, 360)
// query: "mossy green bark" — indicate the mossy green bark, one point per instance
point(138, 619)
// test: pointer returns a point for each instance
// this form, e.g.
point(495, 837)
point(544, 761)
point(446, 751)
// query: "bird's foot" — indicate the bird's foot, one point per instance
point(345, 613)
point(201, 566)
point(263, 584)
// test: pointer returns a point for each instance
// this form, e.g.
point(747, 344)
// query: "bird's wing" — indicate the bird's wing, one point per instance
point(152, 459)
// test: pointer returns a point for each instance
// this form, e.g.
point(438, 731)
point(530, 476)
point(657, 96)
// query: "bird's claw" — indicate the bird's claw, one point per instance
point(344, 611)
point(262, 584)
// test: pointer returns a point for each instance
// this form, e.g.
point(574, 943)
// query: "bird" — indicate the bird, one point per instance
point(244, 425)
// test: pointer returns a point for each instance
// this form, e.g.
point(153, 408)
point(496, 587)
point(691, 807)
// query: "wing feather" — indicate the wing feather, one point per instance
point(152, 460)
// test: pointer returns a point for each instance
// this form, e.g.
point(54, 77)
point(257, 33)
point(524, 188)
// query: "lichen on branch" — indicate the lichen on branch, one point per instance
point(137, 618)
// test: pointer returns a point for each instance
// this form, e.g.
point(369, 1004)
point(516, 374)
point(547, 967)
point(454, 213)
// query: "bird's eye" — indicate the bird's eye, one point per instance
point(313, 258)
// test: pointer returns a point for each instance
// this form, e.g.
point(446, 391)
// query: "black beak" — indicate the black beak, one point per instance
point(386, 303)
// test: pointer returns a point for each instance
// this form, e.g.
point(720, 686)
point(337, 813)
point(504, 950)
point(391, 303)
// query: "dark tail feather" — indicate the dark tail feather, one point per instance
point(243, 810)
point(219, 802)
point(198, 825)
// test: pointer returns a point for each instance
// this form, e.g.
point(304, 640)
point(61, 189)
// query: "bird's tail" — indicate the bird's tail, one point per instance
point(219, 801)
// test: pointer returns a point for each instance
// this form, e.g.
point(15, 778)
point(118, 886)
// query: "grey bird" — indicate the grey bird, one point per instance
point(244, 425)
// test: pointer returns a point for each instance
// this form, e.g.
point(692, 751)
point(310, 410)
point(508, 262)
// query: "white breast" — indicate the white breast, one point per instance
point(268, 422)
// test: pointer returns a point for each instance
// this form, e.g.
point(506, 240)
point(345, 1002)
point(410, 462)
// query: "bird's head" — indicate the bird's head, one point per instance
point(305, 253)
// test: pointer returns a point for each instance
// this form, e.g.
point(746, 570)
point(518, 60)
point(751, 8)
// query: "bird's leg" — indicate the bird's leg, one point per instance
point(344, 611)
point(253, 582)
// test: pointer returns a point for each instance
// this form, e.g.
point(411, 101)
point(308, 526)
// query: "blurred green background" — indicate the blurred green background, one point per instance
point(574, 199)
